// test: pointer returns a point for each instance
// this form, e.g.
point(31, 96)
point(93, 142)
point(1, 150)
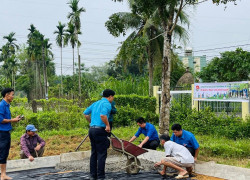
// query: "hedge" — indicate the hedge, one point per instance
point(126, 115)
point(207, 122)
point(143, 103)
point(73, 118)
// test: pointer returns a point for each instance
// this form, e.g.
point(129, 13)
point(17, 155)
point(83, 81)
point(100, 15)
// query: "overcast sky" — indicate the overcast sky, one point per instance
point(212, 28)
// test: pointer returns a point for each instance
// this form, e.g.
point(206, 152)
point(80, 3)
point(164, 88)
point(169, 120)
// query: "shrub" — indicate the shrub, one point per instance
point(126, 116)
point(66, 114)
point(55, 104)
point(129, 85)
point(207, 122)
point(143, 103)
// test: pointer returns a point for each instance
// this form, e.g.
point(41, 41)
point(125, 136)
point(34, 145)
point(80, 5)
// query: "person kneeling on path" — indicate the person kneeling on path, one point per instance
point(151, 140)
point(177, 156)
point(29, 144)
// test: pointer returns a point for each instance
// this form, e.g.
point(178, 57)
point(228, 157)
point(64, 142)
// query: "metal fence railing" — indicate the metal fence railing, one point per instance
point(219, 107)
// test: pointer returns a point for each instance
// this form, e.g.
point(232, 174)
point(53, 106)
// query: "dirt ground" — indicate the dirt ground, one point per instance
point(55, 145)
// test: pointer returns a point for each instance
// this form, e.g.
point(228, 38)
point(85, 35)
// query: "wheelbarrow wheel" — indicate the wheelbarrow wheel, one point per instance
point(132, 168)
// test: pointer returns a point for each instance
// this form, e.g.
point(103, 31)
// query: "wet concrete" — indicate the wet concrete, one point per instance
point(114, 163)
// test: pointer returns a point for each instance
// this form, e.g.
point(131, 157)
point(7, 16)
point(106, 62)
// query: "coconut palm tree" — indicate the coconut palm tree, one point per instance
point(35, 52)
point(70, 37)
point(9, 57)
point(75, 19)
point(143, 26)
point(59, 41)
point(11, 42)
point(169, 15)
point(47, 57)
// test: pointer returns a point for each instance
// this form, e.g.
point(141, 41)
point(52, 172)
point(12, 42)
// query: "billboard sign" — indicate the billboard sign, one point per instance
point(225, 91)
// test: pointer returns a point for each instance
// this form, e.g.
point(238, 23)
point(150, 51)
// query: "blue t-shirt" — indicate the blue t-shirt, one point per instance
point(5, 114)
point(149, 131)
point(187, 139)
point(101, 107)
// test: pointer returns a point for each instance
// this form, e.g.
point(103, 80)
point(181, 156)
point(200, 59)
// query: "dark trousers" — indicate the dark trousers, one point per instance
point(4, 146)
point(151, 144)
point(191, 150)
point(34, 153)
point(99, 146)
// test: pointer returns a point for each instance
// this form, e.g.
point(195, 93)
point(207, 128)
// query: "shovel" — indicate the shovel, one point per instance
point(81, 142)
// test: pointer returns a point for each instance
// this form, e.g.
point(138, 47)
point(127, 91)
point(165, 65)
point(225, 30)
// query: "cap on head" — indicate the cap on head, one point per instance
point(31, 127)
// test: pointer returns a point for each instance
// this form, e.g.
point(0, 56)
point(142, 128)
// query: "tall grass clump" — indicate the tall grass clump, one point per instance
point(129, 85)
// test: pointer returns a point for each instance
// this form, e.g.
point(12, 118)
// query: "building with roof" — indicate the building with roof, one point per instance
point(196, 63)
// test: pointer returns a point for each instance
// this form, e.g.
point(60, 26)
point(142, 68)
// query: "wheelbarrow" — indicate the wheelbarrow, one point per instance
point(133, 165)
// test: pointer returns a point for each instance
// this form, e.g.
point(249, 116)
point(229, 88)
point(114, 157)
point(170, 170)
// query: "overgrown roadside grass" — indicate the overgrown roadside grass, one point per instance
point(219, 149)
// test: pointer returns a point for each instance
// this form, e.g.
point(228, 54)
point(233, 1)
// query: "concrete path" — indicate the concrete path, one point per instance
point(206, 168)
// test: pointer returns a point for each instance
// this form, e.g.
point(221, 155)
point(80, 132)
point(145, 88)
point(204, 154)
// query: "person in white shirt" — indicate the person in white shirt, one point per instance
point(177, 157)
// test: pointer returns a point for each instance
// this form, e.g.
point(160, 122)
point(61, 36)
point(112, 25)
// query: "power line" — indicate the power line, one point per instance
point(202, 50)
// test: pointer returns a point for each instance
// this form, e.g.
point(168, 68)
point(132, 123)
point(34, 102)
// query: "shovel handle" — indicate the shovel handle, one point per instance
point(81, 142)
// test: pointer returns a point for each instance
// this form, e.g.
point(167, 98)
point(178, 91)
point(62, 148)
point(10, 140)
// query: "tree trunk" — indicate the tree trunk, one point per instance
point(79, 79)
point(61, 75)
point(165, 94)
point(36, 80)
point(41, 95)
point(166, 68)
point(79, 70)
point(150, 74)
point(12, 78)
point(150, 65)
point(73, 61)
point(14, 82)
point(44, 74)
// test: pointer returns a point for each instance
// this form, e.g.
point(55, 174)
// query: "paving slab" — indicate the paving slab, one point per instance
point(25, 164)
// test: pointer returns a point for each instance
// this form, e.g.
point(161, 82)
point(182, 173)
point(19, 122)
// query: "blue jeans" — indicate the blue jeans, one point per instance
point(99, 146)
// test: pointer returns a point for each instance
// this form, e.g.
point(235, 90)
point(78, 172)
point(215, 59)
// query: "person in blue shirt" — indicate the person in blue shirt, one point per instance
point(112, 112)
point(151, 140)
point(5, 128)
point(185, 138)
point(98, 132)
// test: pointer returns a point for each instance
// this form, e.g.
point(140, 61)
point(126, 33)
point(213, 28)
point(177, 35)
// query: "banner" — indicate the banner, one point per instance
point(227, 91)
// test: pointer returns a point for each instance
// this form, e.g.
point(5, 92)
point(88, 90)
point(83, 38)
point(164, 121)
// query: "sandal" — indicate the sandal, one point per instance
point(182, 176)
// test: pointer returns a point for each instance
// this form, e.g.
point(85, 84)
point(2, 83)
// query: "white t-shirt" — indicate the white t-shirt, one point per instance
point(180, 152)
